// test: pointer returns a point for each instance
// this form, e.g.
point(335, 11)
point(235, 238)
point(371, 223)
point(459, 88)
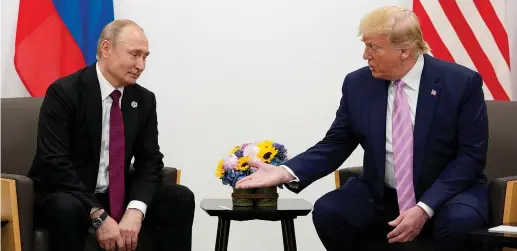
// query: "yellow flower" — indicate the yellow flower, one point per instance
point(235, 149)
point(267, 151)
point(243, 165)
point(219, 172)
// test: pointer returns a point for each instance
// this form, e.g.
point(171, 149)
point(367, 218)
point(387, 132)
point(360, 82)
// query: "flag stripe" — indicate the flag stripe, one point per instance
point(471, 44)
point(55, 38)
point(44, 48)
point(85, 20)
point(430, 34)
point(450, 38)
point(487, 12)
point(486, 41)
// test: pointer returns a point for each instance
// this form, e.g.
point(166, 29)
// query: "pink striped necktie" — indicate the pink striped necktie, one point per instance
point(402, 138)
point(116, 158)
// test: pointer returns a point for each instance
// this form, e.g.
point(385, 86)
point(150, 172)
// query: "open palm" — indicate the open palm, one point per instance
point(266, 176)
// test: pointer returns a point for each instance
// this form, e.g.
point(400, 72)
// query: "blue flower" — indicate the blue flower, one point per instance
point(282, 152)
point(276, 161)
point(231, 177)
point(238, 153)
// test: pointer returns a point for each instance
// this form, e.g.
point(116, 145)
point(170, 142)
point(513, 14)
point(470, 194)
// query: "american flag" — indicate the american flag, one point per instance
point(471, 33)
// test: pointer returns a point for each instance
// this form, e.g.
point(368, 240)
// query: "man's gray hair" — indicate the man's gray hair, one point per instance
point(111, 32)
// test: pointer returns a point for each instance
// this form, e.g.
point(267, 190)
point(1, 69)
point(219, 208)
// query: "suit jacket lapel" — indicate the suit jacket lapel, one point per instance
point(130, 107)
point(428, 94)
point(92, 100)
point(377, 111)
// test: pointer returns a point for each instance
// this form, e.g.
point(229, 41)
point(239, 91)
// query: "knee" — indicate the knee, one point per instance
point(66, 208)
point(456, 220)
point(180, 197)
point(322, 213)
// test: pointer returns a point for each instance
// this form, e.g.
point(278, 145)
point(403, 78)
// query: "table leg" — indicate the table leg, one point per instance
point(289, 235)
point(223, 231)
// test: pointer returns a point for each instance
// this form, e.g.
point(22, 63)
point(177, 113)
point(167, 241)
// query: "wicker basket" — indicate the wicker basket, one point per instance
point(257, 197)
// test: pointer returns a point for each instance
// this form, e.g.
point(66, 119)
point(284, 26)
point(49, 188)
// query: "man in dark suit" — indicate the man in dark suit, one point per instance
point(92, 123)
point(422, 123)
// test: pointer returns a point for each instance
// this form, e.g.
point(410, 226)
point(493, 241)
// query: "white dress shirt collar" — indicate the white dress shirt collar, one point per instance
point(412, 78)
point(106, 87)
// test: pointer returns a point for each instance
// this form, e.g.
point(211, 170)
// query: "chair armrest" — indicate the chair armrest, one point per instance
point(342, 175)
point(171, 175)
point(497, 196)
point(25, 194)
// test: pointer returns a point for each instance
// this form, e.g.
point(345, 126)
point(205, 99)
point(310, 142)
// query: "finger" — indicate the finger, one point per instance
point(252, 183)
point(256, 163)
point(128, 243)
point(120, 243)
point(244, 179)
point(111, 246)
point(246, 183)
point(399, 238)
point(397, 231)
point(134, 242)
point(396, 221)
point(101, 245)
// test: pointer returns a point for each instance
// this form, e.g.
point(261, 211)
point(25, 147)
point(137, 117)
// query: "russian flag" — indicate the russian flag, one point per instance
point(55, 38)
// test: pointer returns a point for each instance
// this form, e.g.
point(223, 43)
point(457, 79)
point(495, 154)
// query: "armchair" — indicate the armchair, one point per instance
point(18, 138)
point(501, 170)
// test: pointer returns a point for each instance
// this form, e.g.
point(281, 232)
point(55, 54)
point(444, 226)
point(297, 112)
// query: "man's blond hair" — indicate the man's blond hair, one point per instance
point(112, 31)
point(401, 25)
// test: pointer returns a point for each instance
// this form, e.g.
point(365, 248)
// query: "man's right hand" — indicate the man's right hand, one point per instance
point(108, 234)
point(266, 176)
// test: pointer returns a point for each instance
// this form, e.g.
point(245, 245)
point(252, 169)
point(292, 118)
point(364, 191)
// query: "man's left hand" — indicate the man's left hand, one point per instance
point(130, 227)
point(408, 225)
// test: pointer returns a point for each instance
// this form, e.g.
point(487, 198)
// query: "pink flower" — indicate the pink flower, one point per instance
point(251, 150)
point(230, 162)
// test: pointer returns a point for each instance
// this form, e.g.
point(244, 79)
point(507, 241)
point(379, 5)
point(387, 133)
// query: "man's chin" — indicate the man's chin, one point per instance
point(131, 81)
point(375, 74)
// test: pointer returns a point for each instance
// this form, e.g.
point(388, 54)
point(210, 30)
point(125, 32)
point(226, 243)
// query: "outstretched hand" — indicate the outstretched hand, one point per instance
point(266, 176)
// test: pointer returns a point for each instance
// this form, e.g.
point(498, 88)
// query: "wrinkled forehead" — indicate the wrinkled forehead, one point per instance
point(377, 39)
point(133, 38)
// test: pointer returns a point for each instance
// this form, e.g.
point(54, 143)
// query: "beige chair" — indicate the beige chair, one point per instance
point(501, 169)
point(19, 131)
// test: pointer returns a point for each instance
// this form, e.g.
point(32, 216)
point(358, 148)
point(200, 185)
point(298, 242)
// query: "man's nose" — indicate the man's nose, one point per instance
point(140, 64)
point(366, 54)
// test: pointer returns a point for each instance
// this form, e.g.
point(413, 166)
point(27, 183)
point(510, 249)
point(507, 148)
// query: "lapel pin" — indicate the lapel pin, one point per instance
point(134, 104)
point(433, 92)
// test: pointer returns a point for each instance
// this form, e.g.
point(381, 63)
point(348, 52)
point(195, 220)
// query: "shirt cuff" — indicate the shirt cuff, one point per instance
point(93, 210)
point(136, 204)
point(426, 208)
point(293, 183)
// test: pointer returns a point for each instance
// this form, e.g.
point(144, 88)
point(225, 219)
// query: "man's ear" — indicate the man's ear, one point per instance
point(105, 48)
point(405, 52)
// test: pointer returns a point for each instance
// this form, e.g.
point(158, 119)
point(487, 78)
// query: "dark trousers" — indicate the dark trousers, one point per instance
point(170, 216)
point(348, 218)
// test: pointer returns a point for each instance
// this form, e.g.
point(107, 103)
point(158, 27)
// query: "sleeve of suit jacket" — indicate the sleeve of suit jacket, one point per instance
point(329, 153)
point(148, 158)
point(56, 117)
point(472, 147)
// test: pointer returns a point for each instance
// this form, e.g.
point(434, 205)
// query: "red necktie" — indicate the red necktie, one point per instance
point(116, 159)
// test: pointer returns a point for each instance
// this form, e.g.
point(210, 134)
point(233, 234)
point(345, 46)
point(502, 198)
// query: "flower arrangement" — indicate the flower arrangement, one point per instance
point(234, 166)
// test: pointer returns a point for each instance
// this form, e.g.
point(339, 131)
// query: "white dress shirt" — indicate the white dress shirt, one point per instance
point(103, 176)
point(412, 80)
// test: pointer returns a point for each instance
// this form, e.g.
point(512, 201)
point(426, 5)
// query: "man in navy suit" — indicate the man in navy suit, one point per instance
point(422, 123)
